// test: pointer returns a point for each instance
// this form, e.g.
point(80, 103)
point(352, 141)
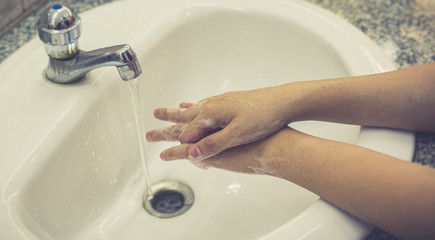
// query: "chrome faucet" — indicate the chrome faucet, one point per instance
point(59, 29)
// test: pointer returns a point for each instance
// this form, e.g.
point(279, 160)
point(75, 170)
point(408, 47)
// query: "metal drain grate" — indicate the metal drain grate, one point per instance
point(169, 199)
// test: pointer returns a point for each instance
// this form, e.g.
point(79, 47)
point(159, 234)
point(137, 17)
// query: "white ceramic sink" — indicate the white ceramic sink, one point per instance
point(69, 164)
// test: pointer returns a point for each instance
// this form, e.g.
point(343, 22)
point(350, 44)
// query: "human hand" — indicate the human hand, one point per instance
point(263, 157)
point(224, 121)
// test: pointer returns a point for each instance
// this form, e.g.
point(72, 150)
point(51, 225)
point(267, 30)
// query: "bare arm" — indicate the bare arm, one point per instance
point(400, 99)
point(394, 195)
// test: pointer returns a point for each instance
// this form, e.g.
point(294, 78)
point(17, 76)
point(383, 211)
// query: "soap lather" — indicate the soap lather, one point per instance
point(59, 29)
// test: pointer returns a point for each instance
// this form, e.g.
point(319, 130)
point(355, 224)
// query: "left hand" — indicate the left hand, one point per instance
point(260, 157)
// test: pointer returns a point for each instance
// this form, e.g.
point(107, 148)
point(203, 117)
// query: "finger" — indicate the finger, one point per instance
point(198, 129)
point(200, 164)
point(210, 120)
point(212, 144)
point(180, 152)
point(185, 105)
point(177, 115)
point(186, 113)
point(171, 133)
point(177, 152)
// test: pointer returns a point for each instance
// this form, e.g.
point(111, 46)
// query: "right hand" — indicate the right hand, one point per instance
point(224, 121)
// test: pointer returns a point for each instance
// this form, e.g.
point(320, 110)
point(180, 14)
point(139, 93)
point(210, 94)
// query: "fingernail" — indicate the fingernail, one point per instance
point(163, 155)
point(194, 152)
point(149, 135)
point(157, 111)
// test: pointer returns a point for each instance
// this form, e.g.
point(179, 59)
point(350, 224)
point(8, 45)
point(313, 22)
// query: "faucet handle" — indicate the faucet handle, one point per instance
point(59, 29)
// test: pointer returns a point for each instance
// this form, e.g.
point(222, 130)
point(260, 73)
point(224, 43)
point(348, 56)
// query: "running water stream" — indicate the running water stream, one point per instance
point(138, 114)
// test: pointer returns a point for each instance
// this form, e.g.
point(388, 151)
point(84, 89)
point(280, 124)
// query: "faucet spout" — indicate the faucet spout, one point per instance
point(59, 29)
point(71, 70)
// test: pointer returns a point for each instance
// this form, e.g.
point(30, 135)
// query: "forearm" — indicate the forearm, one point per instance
point(400, 99)
point(394, 195)
point(389, 193)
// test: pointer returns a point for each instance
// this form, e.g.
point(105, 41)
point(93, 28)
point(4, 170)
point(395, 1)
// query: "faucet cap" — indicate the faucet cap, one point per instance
point(59, 29)
point(59, 25)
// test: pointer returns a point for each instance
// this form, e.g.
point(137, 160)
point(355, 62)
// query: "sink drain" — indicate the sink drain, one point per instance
point(169, 199)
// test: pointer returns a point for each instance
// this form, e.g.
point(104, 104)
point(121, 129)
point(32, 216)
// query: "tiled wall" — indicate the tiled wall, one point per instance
point(12, 11)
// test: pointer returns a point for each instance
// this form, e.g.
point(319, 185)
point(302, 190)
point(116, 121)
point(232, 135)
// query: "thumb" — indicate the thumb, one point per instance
point(211, 145)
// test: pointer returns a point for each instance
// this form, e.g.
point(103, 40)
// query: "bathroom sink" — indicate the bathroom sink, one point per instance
point(70, 164)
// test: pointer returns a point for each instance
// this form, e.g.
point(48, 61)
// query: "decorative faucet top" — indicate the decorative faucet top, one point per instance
point(59, 26)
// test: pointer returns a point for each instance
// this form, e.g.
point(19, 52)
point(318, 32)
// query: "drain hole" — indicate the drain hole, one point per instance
point(169, 199)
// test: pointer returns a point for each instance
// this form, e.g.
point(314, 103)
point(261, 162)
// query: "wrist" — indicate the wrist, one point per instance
point(281, 152)
point(299, 103)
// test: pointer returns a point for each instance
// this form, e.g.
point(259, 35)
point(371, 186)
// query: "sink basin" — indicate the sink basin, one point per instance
point(70, 166)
